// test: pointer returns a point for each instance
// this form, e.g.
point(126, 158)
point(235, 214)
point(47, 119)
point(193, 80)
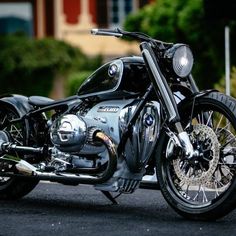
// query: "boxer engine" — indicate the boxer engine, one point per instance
point(72, 135)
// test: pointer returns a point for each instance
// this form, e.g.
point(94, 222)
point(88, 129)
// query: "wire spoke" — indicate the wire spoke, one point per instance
point(204, 197)
point(209, 118)
point(197, 195)
point(201, 180)
point(218, 125)
point(16, 133)
point(14, 130)
point(3, 121)
point(221, 129)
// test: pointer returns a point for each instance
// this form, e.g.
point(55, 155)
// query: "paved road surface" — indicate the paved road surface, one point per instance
point(53, 209)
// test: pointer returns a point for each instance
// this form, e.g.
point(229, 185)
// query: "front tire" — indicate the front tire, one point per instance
point(203, 188)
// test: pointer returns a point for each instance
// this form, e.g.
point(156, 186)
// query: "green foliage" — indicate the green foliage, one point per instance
point(28, 66)
point(75, 80)
point(91, 63)
point(77, 77)
point(221, 84)
point(184, 21)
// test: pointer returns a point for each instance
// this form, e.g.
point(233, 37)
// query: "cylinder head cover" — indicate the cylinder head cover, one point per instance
point(68, 133)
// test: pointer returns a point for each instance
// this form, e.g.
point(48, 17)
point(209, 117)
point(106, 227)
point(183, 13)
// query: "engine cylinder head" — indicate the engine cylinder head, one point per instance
point(69, 133)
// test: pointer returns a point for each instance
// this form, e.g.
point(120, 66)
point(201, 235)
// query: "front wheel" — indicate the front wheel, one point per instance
point(203, 187)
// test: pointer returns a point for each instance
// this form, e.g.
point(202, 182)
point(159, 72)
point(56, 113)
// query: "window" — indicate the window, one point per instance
point(112, 13)
point(16, 18)
point(118, 10)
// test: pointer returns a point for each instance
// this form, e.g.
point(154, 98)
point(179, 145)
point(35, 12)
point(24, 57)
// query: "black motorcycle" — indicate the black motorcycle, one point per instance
point(134, 117)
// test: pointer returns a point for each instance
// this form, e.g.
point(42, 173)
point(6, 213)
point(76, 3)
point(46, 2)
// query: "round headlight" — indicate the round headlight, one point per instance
point(182, 59)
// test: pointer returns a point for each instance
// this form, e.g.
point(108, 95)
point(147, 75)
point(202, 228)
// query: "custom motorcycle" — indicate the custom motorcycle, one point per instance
point(134, 117)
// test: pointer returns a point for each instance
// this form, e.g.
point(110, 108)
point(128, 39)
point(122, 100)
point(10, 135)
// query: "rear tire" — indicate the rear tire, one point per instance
point(13, 188)
point(203, 189)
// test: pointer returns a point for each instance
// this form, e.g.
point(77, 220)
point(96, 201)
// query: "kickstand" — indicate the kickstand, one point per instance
point(110, 197)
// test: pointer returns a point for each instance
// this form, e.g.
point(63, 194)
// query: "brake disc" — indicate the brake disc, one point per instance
point(199, 171)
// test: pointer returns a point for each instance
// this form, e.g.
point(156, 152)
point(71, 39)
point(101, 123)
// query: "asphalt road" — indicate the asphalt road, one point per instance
point(53, 209)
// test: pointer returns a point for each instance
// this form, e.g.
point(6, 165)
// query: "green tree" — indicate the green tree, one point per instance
point(28, 66)
point(221, 84)
point(184, 21)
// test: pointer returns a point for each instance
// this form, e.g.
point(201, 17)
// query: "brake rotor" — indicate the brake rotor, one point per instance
point(199, 169)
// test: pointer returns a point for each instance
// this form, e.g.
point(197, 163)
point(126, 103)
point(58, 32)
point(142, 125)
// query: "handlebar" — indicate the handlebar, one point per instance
point(120, 33)
point(106, 32)
point(136, 35)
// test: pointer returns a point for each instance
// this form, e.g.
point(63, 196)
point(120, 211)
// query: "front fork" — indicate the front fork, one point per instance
point(162, 88)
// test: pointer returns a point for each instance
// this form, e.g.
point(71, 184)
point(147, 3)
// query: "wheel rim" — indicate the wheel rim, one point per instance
point(15, 131)
point(203, 183)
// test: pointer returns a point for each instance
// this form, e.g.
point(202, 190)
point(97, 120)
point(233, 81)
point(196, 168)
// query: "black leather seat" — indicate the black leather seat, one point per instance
point(40, 101)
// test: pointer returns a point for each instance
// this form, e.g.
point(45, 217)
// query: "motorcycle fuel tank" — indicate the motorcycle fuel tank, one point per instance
point(125, 75)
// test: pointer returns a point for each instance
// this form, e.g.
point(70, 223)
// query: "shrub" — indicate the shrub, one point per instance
point(184, 21)
point(221, 84)
point(28, 66)
point(75, 80)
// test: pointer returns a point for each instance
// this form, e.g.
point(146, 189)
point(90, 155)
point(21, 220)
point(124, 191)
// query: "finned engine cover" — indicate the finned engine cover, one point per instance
point(68, 133)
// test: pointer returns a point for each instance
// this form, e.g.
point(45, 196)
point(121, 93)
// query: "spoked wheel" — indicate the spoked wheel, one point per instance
point(203, 187)
point(13, 188)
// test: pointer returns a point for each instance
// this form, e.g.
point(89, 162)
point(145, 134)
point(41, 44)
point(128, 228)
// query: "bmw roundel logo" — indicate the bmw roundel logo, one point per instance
point(149, 119)
point(112, 70)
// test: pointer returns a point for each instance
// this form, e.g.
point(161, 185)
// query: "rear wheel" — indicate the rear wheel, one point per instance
point(13, 188)
point(204, 187)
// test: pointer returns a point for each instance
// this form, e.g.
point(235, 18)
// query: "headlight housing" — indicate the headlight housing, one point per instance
point(181, 58)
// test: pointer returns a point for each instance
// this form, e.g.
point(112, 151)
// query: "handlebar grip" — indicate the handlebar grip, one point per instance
point(106, 32)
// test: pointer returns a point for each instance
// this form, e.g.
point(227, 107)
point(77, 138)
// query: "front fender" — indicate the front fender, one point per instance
point(194, 96)
point(183, 93)
point(17, 102)
point(187, 97)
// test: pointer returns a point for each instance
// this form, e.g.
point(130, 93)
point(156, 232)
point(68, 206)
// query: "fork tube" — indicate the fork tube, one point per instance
point(192, 83)
point(159, 83)
point(161, 87)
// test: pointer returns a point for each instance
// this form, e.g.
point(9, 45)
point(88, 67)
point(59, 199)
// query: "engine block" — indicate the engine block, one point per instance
point(70, 133)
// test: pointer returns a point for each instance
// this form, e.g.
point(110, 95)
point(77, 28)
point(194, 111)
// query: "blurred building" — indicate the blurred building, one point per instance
point(71, 20)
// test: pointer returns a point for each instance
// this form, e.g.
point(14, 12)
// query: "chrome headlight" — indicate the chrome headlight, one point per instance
point(181, 58)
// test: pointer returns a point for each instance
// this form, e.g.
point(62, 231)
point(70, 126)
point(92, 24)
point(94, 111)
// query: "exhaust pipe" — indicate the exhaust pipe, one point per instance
point(27, 170)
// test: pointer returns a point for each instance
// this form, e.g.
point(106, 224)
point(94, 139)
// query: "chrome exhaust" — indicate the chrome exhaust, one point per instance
point(28, 170)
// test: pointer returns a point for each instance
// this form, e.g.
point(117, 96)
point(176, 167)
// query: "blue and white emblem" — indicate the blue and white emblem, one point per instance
point(112, 70)
point(149, 119)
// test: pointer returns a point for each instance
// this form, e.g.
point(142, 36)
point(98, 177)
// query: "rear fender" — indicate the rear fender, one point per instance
point(18, 103)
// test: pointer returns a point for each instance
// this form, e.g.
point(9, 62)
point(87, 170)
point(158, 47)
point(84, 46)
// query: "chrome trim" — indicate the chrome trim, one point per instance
point(181, 140)
point(94, 31)
point(105, 32)
point(160, 84)
point(69, 132)
point(186, 144)
point(27, 169)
